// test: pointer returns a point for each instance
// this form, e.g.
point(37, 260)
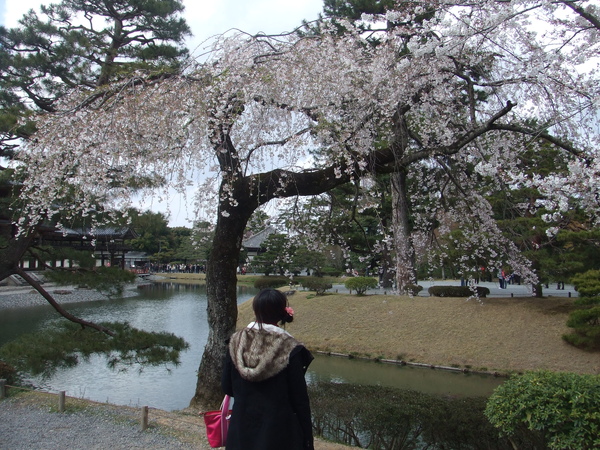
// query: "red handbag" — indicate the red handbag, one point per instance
point(217, 424)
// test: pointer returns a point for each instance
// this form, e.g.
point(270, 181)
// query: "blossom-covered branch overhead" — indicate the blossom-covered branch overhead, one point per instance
point(470, 79)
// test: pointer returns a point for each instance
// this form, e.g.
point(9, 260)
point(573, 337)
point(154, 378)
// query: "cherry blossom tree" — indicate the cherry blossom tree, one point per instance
point(455, 93)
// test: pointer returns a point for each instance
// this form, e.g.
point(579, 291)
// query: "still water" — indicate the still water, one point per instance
point(181, 309)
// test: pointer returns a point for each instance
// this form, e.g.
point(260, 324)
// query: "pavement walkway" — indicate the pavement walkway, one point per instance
point(511, 290)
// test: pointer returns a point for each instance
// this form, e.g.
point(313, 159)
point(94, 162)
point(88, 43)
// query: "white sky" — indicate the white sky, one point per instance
point(209, 17)
point(206, 18)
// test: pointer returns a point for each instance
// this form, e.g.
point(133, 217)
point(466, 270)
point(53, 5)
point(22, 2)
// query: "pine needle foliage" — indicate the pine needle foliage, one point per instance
point(585, 321)
point(44, 352)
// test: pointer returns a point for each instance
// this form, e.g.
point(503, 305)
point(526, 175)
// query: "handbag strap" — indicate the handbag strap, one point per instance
point(224, 413)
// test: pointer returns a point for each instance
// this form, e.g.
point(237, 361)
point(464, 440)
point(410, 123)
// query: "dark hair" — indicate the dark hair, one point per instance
point(269, 307)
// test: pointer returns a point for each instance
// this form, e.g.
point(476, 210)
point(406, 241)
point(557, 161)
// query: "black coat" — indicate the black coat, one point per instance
point(272, 414)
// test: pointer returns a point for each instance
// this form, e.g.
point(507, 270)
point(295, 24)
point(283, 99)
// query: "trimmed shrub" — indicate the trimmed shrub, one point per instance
point(587, 284)
point(331, 271)
point(457, 291)
point(319, 285)
point(586, 329)
point(413, 289)
point(562, 406)
point(361, 284)
point(271, 282)
point(586, 320)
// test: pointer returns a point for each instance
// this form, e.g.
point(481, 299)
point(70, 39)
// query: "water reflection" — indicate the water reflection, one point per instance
point(430, 381)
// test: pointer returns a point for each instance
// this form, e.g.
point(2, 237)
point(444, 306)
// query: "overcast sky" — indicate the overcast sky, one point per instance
point(205, 18)
point(209, 17)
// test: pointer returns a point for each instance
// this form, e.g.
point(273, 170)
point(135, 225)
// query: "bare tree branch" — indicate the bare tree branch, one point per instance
point(67, 315)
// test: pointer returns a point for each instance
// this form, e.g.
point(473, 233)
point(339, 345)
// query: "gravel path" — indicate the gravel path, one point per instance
point(30, 421)
point(26, 425)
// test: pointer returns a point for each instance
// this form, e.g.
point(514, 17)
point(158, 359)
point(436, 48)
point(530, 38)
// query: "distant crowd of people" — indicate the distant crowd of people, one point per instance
point(177, 268)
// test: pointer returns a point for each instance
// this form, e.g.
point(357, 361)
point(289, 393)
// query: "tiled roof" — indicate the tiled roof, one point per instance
point(109, 232)
point(256, 240)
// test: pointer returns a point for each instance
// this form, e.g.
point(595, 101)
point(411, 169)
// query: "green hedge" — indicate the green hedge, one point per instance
point(586, 328)
point(457, 291)
point(319, 285)
point(331, 272)
point(587, 284)
point(361, 284)
point(561, 406)
point(271, 282)
point(585, 321)
point(413, 289)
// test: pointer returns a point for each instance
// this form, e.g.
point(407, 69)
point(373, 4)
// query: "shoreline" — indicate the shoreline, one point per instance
point(26, 296)
point(12, 297)
point(398, 362)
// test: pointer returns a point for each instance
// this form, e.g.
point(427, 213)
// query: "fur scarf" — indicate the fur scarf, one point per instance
point(259, 352)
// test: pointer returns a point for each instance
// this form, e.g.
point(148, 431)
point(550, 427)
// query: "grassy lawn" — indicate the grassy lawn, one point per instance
point(493, 334)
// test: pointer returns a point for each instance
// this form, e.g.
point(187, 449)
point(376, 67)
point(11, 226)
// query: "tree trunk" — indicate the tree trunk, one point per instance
point(405, 255)
point(387, 274)
point(537, 288)
point(221, 292)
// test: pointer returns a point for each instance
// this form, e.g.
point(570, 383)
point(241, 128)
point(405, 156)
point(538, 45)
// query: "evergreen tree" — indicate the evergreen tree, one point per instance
point(81, 44)
point(276, 256)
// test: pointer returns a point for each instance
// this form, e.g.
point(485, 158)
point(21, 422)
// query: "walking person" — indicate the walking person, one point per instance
point(264, 373)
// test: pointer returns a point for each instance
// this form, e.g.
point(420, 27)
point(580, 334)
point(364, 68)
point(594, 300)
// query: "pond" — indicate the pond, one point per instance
point(181, 309)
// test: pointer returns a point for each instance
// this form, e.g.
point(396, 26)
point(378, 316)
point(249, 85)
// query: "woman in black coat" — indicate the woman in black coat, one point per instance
point(264, 373)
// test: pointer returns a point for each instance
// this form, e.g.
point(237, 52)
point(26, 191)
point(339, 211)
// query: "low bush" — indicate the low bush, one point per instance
point(585, 321)
point(319, 285)
point(457, 291)
point(331, 272)
point(271, 282)
point(586, 328)
point(413, 289)
point(561, 406)
point(361, 284)
point(587, 284)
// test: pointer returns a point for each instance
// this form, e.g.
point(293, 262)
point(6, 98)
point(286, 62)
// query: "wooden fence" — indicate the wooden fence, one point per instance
point(62, 398)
